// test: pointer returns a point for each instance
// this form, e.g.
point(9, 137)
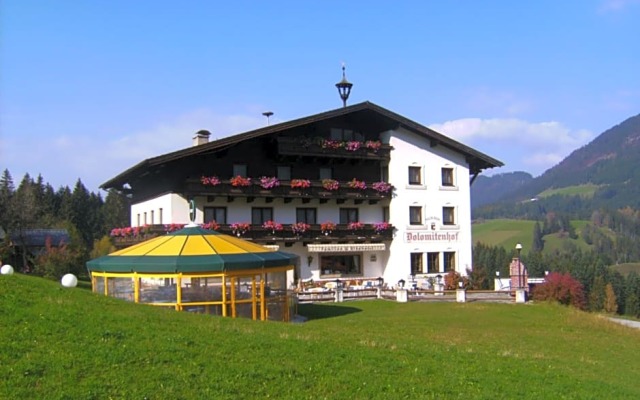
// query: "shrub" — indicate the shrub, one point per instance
point(562, 288)
point(452, 280)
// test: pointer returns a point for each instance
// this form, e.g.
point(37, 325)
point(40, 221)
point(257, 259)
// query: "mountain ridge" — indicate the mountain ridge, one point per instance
point(610, 161)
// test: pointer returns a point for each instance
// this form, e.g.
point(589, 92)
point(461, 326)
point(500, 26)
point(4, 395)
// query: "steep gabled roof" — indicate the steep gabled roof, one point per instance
point(477, 160)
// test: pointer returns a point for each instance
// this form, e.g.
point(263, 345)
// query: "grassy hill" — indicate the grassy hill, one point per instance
point(508, 232)
point(587, 191)
point(71, 344)
point(626, 268)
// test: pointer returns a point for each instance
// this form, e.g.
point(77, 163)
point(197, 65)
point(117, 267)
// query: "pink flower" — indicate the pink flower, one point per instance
point(355, 226)
point(269, 182)
point(330, 184)
point(210, 180)
point(382, 187)
point(300, 227)
point(356, 184)
point(352, 145)
point(274, 226)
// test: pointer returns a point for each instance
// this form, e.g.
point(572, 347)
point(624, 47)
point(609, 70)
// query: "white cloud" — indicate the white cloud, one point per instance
point(521, 145)
point(62, 159)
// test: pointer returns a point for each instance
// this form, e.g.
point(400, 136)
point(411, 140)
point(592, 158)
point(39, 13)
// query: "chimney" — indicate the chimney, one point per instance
point(201, 137)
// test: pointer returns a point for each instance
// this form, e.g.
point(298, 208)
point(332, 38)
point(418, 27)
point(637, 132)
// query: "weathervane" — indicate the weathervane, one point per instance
point(344, 87)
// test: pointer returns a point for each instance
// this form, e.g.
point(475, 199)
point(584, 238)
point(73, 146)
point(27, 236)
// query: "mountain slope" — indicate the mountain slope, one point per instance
point(489, 189)
point(611, 161)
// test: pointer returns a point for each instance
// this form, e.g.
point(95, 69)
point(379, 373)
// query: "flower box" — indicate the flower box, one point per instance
point(210, 180)
point(240, 181)
point(330, 184)
point(300, 227)
point(269, 182)
point(356, 184)
point(300, 183)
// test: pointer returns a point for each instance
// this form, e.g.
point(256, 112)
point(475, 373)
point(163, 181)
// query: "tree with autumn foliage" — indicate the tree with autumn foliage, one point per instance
point(563, 288)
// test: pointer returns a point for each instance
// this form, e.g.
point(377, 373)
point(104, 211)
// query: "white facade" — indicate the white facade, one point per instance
point(430, 242)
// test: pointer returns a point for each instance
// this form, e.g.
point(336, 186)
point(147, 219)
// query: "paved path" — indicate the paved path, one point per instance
point(633, 324)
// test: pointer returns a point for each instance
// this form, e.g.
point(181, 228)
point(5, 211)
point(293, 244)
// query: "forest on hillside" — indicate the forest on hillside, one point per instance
point(35, 204)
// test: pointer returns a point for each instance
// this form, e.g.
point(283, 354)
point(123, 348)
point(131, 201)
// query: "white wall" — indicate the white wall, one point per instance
point(175, 209)
point(410, 150)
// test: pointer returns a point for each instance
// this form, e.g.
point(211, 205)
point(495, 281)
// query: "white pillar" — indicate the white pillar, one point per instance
point(338, 294)
point(521, 296)
point(461, 296)
point(401, 295)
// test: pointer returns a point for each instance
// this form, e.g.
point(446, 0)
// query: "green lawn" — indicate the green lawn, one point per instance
point(72, 344)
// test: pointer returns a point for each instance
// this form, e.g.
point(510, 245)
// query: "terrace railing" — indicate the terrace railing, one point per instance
point(259, 234)
point(332, 149)
point(316, 190)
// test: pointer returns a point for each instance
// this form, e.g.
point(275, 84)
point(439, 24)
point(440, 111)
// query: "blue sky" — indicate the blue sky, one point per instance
point(90, 88)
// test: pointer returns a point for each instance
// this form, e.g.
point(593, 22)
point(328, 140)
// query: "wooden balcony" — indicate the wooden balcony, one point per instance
point(318, 148)
point(258, 234)
point(194, 187)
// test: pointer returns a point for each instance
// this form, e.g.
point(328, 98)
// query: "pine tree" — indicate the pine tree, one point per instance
point(6, 193)
point(538, 241)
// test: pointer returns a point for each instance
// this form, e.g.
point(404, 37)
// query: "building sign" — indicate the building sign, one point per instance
point(430, 236)
point(345, 248)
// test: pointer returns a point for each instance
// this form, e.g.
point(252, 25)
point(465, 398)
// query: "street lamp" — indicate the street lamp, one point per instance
point(519, 249)
point(380, 281)
point(344, 88)
point(401, 283)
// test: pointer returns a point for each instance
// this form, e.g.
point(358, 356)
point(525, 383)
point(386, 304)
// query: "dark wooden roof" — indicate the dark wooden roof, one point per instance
point(477, 160)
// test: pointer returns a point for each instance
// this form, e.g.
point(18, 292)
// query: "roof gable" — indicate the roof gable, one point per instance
point(477, 160)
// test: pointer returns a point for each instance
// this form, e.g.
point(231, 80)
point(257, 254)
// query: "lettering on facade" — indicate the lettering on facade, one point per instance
point(426, 236)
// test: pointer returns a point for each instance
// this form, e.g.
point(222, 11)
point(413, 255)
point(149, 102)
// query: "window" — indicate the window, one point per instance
point(284, 172)
point(348, 215)
point(306, 215)
point(433, 263)
point(153, 217)
point(218, 214)
point(345, 134)
point(385, 214)
point(341, 264)
point(415, 215)
point(260, 215)
point(325, 173)
point(160, 215)
point(416, 263)
point(449, 261)
point(448, 216)
point(415, 175)
point(240, 169)
point(447, 177)
point(384, 173)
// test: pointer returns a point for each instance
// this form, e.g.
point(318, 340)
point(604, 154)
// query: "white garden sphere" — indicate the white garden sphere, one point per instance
point(6, 270)
point(69, 280)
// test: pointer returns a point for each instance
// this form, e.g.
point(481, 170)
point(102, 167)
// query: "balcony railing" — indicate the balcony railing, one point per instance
point(328, 148)
point(195, 187)
point(259, 234)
